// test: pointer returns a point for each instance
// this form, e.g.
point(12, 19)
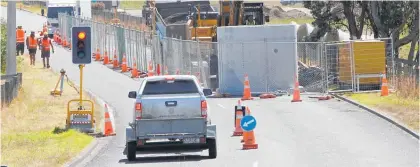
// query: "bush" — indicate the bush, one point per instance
point(3, 47)
point(98, 6)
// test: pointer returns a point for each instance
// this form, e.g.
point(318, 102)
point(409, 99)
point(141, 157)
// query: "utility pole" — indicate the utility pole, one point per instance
point(11, 35)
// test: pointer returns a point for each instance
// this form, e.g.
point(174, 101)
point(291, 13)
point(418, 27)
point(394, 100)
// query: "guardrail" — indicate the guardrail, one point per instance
point(10, 85)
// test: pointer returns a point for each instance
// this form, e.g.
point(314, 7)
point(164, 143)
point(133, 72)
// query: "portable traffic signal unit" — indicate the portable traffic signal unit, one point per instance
point(81, 45)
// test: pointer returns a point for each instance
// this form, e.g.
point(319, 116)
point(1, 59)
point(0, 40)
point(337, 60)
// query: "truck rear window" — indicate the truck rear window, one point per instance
point(170, 87)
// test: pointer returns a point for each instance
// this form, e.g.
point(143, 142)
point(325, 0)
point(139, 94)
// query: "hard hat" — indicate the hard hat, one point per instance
point(45, 33)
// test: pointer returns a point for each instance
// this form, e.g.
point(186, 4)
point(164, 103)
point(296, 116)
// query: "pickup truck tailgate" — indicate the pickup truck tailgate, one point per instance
point(171, 127)
point(171, 106)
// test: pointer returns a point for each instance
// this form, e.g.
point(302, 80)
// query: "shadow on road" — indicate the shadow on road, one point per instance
point(160, 159)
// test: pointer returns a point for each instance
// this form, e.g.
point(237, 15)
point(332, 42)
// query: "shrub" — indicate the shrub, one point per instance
point(3, 47)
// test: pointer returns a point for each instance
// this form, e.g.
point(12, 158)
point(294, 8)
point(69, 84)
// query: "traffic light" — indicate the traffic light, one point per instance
point(81, 45)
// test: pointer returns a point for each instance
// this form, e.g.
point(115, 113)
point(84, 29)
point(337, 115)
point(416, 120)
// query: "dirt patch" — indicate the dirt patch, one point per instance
point(281, 13)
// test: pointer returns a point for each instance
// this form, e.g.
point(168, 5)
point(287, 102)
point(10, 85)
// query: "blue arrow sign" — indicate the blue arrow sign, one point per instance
point(248, 123)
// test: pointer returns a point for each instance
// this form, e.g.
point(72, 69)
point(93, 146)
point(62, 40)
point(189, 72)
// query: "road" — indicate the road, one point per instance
point(310, 133)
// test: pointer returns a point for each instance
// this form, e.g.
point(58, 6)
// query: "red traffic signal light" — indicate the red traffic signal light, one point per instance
point(81, 35)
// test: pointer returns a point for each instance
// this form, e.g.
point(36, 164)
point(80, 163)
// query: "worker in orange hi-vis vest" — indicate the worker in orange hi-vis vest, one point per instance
point(20, 41)
point(45, 45)
point(31, 44)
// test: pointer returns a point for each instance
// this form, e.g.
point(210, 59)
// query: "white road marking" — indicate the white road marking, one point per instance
point(255, 164)
point(221, 106)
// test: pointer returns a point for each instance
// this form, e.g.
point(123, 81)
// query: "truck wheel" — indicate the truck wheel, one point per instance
point(131, 151)
point(211, 143)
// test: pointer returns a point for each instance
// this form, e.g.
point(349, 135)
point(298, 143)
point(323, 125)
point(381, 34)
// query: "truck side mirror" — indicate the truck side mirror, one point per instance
point(207, 92)
point(267, 18)
point(132, 94)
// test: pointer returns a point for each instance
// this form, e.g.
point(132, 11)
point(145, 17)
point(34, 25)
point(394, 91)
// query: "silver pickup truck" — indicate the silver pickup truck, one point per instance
point(170, 115)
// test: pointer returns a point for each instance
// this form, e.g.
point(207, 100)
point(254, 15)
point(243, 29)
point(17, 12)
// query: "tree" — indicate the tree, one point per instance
point(385, 18)
point(394, 19)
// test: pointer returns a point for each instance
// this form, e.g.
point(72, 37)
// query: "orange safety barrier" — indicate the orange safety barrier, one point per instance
point(247, 89)
point(267, 96)
point(296, 92)
point(384, 86)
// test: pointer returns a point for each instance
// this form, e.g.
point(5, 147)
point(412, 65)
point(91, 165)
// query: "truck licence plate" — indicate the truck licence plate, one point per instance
point(191, 140)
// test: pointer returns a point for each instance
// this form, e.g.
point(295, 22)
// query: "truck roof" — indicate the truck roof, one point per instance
point(159, 78)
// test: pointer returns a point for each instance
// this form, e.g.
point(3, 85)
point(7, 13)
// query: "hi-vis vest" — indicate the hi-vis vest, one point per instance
point(20, 36)
point(46, 44)
point(32, 42)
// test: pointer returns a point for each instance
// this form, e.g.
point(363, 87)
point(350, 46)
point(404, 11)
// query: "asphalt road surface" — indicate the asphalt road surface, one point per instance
point(310, 133)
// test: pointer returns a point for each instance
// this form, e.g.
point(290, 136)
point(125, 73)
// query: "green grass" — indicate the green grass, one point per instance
point(131, 4)
point(403, 104)
point(29, 122)
point(288, 21)
point(31, 8)
point(42, 148)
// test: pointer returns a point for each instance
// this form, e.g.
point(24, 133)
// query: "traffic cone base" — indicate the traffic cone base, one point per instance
point(249, 146)
point(237, 133)
point(249, 141)
point(249, 98)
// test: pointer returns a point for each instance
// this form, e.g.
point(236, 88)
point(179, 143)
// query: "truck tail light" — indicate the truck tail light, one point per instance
point(138, 110)
point(204, 108)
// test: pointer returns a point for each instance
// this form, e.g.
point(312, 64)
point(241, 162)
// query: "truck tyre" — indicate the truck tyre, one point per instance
point(131, 151)
point(211, 143)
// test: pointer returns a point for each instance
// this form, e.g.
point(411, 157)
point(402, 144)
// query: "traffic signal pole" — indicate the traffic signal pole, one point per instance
point(81, 86)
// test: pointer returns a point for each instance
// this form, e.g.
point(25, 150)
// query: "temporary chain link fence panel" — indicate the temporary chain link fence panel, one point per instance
point(311, 67)
point(339, 66)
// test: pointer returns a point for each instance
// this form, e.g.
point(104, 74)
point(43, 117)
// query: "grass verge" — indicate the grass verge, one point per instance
point(32, 126)
point(402, 105)
point(32, 8)
point(132, 4)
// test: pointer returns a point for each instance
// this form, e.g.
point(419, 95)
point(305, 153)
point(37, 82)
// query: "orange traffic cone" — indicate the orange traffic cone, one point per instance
point(106, 58)
point(247, 89)
point(198, 77)
point(166, 70)
point(150, 69)
point(124, 64)
point(238, 116)
point(188, 73)
point(177, 72)
point(244, 135)
point(249, 138)
point(158, 69)
point(134, 72)
point(97, 55)
point(115, 61)
point(109, 130)
point(384, 87)
point(296, 92)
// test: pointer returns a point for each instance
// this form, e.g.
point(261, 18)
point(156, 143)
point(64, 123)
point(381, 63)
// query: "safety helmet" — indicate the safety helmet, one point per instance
point(45, 33)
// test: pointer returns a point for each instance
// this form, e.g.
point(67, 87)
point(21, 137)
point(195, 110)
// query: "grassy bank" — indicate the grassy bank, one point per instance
point(403, 105)
point(32, 126)
point(32, 8)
